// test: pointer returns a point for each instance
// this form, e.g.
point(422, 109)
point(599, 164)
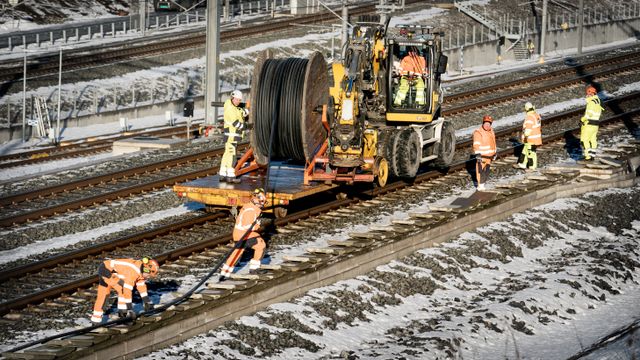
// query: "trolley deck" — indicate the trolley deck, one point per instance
point(285, 184)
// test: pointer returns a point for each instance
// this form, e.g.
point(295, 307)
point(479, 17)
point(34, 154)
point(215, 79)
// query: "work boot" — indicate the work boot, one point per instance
point(257, 271)
point(222, 278)
point(519, 166)
point(223, 179)
point(233, 180)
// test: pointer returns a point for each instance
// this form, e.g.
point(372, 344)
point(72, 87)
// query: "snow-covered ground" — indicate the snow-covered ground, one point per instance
point(459, 298)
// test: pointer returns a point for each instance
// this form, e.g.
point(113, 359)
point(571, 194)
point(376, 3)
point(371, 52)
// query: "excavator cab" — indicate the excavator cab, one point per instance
point(415, 63)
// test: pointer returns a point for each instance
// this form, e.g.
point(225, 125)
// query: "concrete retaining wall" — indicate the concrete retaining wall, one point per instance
point(486, 53)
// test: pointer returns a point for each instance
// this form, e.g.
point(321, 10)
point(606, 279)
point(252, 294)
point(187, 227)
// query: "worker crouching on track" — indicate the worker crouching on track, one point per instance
point(234, 126)
point(484, 148)
point(590, 124)
point(531, 138)
point(245, 236)
point(122, 275)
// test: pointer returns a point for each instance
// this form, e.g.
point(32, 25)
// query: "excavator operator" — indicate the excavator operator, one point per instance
point(412, 69)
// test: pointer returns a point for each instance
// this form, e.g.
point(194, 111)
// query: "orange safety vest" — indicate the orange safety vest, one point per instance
point(484, 142)
point(413, 64)
point(130, 272)
point(246, 217)
point(533, 124)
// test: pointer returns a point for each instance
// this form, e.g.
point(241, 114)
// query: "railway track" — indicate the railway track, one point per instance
point(84, 147)
point(85, 58)
point(36, 277)
point(45, 202)
point(300, 269)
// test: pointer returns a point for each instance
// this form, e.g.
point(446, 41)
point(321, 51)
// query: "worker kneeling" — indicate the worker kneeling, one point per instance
point(122, 275)
point(245, 236)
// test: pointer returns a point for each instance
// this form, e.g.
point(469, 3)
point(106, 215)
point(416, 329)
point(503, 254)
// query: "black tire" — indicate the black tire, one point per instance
point(390, 152)
point(409, 153)
point(446, 147)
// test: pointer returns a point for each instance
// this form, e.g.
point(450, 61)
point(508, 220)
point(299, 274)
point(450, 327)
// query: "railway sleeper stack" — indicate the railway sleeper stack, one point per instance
point(361, 252)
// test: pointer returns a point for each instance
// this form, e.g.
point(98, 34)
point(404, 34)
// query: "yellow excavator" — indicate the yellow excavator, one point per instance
point(385, 121)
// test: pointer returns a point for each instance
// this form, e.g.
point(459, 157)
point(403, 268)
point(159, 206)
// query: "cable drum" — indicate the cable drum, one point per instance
point(287, 95)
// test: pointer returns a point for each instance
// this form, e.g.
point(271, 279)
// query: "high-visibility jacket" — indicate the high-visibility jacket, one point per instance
point(532, 129)
point(247, 220)
point(233, 121)
point(413, 64)
point(484, 143)
point(130, 273)
point(593, 111)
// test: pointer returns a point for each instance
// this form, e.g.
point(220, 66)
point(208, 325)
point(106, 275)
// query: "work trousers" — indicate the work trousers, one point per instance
point(228, 162)
point(528, 157)
point(403, 89)
point(256, 243)
point(482, 170)
point(588, 139)
point(108, 281)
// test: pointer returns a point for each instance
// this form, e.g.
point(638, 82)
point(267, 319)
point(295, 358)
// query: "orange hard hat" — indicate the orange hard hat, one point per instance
point(150, 266)
point(591, 90)
point(487, 118)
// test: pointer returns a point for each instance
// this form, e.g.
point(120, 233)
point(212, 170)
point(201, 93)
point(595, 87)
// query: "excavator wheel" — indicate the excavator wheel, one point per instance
point(446, 147)
point(408, 153)
point(381, 169)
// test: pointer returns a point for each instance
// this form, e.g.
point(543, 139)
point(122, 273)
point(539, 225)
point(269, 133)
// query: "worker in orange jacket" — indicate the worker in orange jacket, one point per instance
point(246, 236)
point(412, 67)
point(531, 138)
point(123, 275)
point(484, 148)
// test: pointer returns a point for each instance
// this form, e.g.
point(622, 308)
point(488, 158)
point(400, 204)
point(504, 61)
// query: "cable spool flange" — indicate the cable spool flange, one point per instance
point(289, 91)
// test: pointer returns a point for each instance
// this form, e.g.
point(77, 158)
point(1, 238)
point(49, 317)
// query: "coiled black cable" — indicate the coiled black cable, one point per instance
point(279, 99)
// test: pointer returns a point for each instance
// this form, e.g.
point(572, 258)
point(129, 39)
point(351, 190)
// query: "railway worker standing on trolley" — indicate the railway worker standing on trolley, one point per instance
point(484, 147)
point(590, 123)
point(234, 125)
point(531, 138)
point(413, 66)
point(123, 275)
point(246, 236)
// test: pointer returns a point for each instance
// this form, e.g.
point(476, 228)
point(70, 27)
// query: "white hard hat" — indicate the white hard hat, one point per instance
point(528, 106)
point(236, 94)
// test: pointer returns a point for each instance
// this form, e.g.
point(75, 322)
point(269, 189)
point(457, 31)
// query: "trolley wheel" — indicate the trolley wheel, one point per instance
point(279, 212)
point(381, 170)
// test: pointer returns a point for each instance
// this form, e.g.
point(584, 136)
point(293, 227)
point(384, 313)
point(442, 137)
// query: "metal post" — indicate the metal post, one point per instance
point(226, 11)
point(345, 29)
point(212, 57)
point(143, 16)
point(580, 25)
point(543, 32)
point(57, 134)
point(24, 99)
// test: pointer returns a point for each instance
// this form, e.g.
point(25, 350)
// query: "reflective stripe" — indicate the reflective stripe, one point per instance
point(140, 283)
point(122, 306)
point(98, 312)
point(486, 152)
point(239, 222)
point(127, 286)
point(144, 294)
point(534, 136)
point(121, 299)
point(120, 276)
point(254, 264)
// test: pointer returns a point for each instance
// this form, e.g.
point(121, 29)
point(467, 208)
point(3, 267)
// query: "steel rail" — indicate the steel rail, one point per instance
point(528, 92)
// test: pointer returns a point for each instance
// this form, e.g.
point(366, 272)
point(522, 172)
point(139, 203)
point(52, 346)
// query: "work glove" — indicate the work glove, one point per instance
point(245, 112)
point(479, 159)
point(584, 120)
point(494, 157)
